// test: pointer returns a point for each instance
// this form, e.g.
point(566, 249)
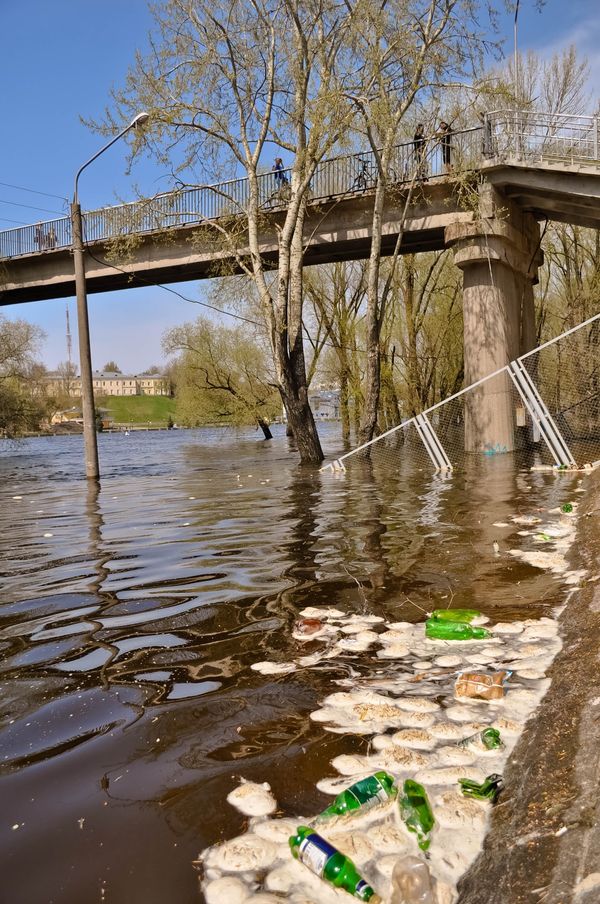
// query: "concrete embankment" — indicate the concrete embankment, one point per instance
point(544, 841)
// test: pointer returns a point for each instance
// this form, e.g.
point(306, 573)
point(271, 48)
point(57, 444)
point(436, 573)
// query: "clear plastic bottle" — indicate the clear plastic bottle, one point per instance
point(412, 883)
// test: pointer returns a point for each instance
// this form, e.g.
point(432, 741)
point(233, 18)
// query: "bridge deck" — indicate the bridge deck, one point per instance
point(548, 164)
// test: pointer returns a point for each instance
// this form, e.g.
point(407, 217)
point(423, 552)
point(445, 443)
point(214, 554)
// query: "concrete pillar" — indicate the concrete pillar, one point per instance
point(499, 255)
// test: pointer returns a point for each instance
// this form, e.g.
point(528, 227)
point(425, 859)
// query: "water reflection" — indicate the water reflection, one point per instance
point(131, 612)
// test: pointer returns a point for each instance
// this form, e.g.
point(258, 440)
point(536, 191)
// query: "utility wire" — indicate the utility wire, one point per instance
point(33, 191)
point(31, 207)
point(8, 220)
point(203, 304)
point(158, 285)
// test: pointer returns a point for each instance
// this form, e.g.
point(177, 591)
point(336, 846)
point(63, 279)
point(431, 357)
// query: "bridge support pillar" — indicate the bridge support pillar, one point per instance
point(499, 256)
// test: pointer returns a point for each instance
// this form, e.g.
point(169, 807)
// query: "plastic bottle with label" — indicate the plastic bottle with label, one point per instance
point(449, 630)
point(489, 789)
point(325, 861)
point(412, 882)
point(377, 789)
point(415, 811)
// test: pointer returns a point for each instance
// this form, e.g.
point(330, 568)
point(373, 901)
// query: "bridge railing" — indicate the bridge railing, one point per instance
point(537, 137)
point(505, 134)
point(352, 174)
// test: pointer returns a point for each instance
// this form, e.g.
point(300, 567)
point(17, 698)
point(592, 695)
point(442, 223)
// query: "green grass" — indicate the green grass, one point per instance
point(138, 409)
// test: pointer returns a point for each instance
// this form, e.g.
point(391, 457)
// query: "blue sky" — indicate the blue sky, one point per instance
point(58, 61)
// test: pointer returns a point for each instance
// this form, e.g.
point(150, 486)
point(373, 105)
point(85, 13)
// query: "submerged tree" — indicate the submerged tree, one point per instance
point(222, 376)
point(411, 51)
point(226, 84)
point(20, 406)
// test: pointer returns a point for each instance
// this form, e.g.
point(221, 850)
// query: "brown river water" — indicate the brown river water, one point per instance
point(130, 615)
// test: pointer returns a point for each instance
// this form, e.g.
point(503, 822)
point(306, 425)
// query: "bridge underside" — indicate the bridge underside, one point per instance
point(336, 229)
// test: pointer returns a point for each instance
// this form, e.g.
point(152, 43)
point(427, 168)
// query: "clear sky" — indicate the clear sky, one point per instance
point(58, 61)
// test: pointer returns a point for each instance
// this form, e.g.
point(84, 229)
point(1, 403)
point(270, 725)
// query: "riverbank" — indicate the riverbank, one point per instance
point(544, 840)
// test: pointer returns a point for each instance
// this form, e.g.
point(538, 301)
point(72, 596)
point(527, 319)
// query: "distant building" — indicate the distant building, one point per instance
point(109, 383)
point(325, 404)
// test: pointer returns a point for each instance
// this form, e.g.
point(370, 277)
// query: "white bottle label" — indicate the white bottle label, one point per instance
point(314, 852)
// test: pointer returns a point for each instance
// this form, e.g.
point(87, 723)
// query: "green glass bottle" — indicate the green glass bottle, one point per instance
point(488, 739)
point(450, 630)
point(415, 811)
point(370, 792)
point(325, 861)
point(455, 615)
point(487, 790)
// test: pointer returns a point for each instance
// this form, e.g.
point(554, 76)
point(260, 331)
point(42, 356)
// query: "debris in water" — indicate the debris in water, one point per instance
point(253, 799)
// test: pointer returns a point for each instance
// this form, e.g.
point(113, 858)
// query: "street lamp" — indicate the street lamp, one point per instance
point(83, 327)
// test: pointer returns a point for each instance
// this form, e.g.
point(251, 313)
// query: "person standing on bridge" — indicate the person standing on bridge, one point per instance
point(280, 177)
point(444, 134)
point(419, 152)
point(39, 237)
point(487, 137)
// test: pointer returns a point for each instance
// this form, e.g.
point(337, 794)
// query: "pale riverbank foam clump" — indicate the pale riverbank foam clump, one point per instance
point(414, 724)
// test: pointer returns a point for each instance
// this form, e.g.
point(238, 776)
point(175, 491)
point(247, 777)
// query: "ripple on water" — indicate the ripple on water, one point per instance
point(127, 637)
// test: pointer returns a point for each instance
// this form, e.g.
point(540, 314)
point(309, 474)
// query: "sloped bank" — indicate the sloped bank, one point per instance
point(543, 844)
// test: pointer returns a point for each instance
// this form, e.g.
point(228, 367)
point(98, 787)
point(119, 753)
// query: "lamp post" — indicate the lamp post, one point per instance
point(92, 469)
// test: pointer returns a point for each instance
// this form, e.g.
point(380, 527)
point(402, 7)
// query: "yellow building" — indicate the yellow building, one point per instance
point(109, 383)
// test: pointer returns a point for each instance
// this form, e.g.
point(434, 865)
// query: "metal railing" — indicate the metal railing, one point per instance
point(352, 174)
point(539, 137)
point(523, 135)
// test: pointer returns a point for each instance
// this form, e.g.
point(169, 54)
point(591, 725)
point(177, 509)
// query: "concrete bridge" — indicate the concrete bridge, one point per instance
point(531, 166)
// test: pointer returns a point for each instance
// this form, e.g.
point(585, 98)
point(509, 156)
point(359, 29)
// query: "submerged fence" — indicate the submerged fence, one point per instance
point(503, 135)
point(551, 399)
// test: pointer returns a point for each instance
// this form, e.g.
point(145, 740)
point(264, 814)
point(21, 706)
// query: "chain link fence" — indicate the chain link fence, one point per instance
point(543, 408)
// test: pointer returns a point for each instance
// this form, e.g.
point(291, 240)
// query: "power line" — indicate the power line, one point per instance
point(158, 285)
point(8, 220)
point(203, 304)
point(31, 207)
point(33, 191)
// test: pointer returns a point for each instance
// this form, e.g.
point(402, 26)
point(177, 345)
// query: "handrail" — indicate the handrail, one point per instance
point(335, 177)
point(505, 134)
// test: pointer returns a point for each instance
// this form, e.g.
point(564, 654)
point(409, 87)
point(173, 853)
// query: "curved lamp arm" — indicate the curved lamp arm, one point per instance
point(135, 122)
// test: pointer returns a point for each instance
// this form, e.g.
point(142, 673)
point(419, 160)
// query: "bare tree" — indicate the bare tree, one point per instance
point(411, 50)
point(226, 84)
point(222, 376)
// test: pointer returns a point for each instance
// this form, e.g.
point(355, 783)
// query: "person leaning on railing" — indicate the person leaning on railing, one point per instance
point(444, 134)
point(419, 149)
point(487, 137)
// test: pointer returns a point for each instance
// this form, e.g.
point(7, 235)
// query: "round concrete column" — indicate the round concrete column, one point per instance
point(498, 257)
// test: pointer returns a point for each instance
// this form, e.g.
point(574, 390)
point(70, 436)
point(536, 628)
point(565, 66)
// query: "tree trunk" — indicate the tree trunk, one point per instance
point(265, 428)
point(289, 348)
point(414, 387)
point(345, 405)
point(368, 422)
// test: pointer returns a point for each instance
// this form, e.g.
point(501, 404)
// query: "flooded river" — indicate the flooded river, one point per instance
point(130, 616)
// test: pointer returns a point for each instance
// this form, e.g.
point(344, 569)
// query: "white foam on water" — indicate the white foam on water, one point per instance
point(412, 735)
point(253, 799)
